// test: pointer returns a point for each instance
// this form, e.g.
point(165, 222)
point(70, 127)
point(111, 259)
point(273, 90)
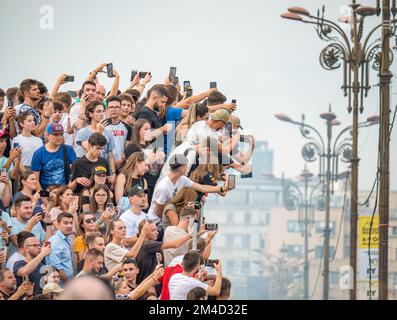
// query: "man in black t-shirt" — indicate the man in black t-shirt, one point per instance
point(33, 263)
point(151, 252)
point(83, 167)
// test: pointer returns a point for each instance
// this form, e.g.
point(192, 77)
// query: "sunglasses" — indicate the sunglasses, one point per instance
point(92, 220)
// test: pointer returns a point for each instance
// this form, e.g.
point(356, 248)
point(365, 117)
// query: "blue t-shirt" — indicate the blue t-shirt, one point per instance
point(51, 166)
point(173, 115)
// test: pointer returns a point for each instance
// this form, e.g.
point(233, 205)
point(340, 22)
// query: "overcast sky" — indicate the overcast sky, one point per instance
point(268, 64)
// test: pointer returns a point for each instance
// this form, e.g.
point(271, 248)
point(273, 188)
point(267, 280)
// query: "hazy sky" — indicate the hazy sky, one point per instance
point(268, 64)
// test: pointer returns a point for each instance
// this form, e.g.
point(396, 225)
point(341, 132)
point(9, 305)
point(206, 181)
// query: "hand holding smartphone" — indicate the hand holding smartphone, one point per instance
point(213, 85)
point(69, 78)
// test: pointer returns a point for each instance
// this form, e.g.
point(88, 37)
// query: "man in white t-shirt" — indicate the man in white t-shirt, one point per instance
point(174, 232)
point(181, 283)
point(133, 216)
point(172, 183)
point(77, 111)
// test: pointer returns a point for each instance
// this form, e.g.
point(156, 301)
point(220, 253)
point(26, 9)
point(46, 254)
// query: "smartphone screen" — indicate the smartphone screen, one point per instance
point(133, 74)
point(16, 145)
point(231, 181)
point(109, 69)
point(234, 101)
point(186, 85)
point(176, 81)
point(213, 85)
point(189, 93)
point(172, 73)
point(142, 74)
point(69, 79)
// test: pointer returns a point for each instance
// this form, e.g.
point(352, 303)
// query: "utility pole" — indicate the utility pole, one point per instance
point(385, 76)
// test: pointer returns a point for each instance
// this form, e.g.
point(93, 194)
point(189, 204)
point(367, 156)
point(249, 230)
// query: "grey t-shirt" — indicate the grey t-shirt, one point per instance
point(84, 134)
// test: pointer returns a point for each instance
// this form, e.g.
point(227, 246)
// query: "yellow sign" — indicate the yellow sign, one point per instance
point(364, 227)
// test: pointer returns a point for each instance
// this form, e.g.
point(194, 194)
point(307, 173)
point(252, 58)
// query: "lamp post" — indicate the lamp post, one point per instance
point(356, 55)
point(294, 198)
point(328, 165)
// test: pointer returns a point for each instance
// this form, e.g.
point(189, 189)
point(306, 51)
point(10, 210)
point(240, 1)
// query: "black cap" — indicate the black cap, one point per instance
point(136, 191)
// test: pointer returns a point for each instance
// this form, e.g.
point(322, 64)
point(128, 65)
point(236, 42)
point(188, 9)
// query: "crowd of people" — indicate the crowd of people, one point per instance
point(107, 189)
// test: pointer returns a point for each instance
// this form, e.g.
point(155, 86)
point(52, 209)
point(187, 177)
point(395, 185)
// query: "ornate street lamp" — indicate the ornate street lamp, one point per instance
point(356, 55)
point(328, 159)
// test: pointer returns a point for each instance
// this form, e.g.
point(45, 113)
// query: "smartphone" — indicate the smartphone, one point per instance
point(109, 206)
point(25, 278)
point(189, 93)
point(172, 73)
point(109, 69)
point(16, 145)
point(44, 193)
point(10, 104)
point(3, 170)
point(231, 179)
point(176, 81)
point(186, 85)
point(234, 101)
point(213, 85)
point(211, 226)
point(133, 74)
point(72, 94)
point(211, 263)
point(143, 74)
point(69, 78)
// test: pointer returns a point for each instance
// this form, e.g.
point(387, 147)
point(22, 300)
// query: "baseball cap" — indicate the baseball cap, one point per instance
point(54, 128)
point(235, 121)
point(220, 115)
point(136, 191)
point(52, 287)
point(99, 169)
point(4, 134)
point(177, 161)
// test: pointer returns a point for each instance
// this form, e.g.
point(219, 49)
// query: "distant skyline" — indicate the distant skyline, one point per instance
point(268, 64)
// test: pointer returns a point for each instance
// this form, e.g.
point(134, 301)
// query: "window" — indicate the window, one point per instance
point(245, 241)
point(320, 226)
point(393, 232)
point(318, 251)
point(229, 217)
point(294, 226)
point(229, 240)
point(261, 242)
point(294, 251)
point(247, 217)
point(230, 267)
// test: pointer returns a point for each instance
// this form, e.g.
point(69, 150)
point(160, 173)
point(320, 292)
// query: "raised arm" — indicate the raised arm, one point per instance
point(60, 81)
point(194, 99)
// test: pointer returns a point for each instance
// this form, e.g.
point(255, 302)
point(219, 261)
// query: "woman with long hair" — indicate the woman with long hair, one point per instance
point(183, 198)
point(115, 252)
point(26, 141)
point(98, 207)
point(197, 112)
point(87, 223)
point(28, 187)
point(98, 178)
point(65, 202)
point(142, 136)
point(132, 174)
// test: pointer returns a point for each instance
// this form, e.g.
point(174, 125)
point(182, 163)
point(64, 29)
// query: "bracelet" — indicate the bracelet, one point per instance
point(46, 117)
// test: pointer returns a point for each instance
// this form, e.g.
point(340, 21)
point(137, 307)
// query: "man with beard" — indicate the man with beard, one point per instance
point(33, 263)
point(61, 256)
point(31, 94)
point(8, 286)
point(93, 263)
point(77, 111)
